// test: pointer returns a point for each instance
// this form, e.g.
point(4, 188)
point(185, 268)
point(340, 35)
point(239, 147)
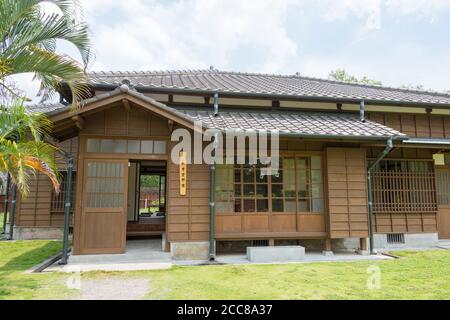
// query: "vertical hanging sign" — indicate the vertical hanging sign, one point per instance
point(183, 173)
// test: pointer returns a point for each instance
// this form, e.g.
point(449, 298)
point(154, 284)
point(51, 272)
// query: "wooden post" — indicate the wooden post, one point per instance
point(363, 244)
point(271, 242)
point(327, 248)
point(327, 244)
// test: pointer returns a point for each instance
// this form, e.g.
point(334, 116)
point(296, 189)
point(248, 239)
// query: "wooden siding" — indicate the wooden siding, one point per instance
point(188, 216)
point(35, 209)
point(415, 125)
point(347, 193)
point(116, 121)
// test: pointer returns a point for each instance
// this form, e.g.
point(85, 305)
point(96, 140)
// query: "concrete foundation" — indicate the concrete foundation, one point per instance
point(189, 250)
point(413, 240)
point(275, 254)
point(37, 233)
point(345, 245)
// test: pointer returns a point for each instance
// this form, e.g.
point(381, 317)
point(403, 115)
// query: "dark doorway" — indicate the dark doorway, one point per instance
point(146, 199)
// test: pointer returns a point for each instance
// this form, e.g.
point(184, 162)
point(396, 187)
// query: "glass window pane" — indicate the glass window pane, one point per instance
point(237, 175)
point(93, 145)
point(259, 177)
point(237, 205)
point(262, 190)
point(237, 190)
point(316, 163)
point(120, 146)
point(316, 176)
point(278, 177)
point(317, 205)
point(159, 147)
point(317, 190)
point(134, 146)
point(249, 205)
point(263, 205)
point(302, 180)
point(277, 190)
point(302, 163)
point(249, 190)
point(147, 147)
point(249, 175)
point(106, 146)
point(303, 205)
point(277, 205)
point(290, 205)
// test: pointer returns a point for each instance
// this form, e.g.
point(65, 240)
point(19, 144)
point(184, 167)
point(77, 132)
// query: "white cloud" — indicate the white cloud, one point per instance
point(192, 34)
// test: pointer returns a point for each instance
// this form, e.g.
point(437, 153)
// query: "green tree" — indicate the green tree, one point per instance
point(23, 151)
point(342, 75)
point(28, 41)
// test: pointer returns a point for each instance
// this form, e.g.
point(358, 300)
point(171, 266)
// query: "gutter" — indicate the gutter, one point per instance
point(381, 156)
point(277, 96)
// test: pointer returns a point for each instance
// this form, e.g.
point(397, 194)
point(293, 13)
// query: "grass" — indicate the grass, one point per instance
point(417, 275)
point(17, 257)
point(1, 221)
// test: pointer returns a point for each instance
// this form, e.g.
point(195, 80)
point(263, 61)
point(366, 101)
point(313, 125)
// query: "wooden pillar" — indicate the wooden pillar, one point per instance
point(271, 242)
point(363, 244)
point(327, 244)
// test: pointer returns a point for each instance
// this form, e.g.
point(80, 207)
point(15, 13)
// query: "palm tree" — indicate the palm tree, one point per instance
point(23, 150)
point(28, 38)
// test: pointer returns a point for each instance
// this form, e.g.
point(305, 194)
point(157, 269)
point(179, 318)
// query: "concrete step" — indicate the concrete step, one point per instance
point(445, 244)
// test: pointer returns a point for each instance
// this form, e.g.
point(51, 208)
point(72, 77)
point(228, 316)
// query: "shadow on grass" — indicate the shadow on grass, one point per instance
point(30, 257)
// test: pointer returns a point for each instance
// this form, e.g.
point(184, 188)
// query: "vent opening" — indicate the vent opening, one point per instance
point(396, 238)
point(260, 243)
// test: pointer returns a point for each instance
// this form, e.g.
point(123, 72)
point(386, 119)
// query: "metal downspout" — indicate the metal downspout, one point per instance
point(67, 207)
point(381, 156)
point(212, 249)
point(12, 213)
point(5, 216)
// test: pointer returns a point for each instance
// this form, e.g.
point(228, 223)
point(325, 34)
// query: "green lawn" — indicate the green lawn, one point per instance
point(417, 275)
point(1, 222)
point(17, 257)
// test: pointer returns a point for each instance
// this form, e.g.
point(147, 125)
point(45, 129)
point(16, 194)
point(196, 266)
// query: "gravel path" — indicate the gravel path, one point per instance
point(113, 289)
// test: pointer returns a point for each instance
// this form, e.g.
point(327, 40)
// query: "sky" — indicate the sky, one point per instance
point(399, 42)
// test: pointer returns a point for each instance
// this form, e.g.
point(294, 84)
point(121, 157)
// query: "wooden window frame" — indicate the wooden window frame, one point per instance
point(57, 202)
point(404, 191)
point(269, 183)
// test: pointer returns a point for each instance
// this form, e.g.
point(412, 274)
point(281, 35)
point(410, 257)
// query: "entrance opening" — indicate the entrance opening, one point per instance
point(146, 202)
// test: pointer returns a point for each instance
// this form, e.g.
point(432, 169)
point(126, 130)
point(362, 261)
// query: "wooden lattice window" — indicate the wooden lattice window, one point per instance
point(58, 199)
point(297, 188)
point(443, 186)
point(401, 186)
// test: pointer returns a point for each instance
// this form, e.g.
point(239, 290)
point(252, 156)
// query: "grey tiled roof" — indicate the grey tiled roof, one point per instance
point(268, 85)
point(45, 108)
point(293, 122)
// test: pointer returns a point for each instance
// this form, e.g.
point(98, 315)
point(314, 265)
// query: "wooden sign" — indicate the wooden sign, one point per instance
point(439, 159)
point(183, 173)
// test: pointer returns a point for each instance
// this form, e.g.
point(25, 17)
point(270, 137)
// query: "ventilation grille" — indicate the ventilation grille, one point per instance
point(395, 238)
point(260, 243)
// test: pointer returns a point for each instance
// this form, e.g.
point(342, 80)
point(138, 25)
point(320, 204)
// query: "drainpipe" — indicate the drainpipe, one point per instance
point(216, 104)
point(67, 207)
point(381, 156)
point(12, 213)
point(5, 216)
point(212, 203)
point(362, 111)
point(212, 249)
